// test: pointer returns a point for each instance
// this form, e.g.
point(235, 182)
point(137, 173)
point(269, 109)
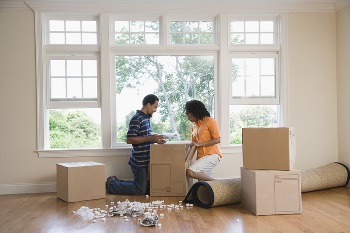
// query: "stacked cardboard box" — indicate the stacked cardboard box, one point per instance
point(270, 182)
point(168, 164)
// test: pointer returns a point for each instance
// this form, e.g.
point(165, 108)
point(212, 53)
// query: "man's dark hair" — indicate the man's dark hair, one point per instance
point(149, 99)
point(197, 109)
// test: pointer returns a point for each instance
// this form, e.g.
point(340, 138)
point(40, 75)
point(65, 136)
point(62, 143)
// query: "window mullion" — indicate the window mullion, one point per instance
point(105, 88)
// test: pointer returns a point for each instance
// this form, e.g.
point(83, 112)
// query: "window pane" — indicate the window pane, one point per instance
point(252, 38)
point(191, 32)
point(57, 25)
point(121, 26)
point(58, 88)
point(237, 26)
point(243, 116)
point(137, 76)
point(73, 26)
point(90, 87)
point(266, 38)
point(252, 32)
point(74, 88)
point(136, 32)
point(57, 38)
point(266, 26)
point(89, 68)
point(58, 67)
point(238, 87)
point(253, 77)
point(73, 38)
point(137, 26)
point(237, 38)
point(89, 38)
point(152, 26)
point(206, 26)
point(191, 26)
point(268, 86)
point(267, 66)
point(252, 86)
point(89, 26)
point(252, 26)
point(73, 68)
point(152, 39)
point(72, 32)
point(74, 128)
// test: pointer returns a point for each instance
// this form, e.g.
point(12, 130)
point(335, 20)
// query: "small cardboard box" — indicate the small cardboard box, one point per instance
point(168, 164)
point(269, 148)
point(268, 192)
point(80, 181)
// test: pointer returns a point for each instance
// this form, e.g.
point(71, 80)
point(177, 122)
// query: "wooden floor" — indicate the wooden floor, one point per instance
point(323, 211)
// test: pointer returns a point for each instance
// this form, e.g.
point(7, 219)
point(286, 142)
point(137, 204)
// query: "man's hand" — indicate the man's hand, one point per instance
point(158, 138)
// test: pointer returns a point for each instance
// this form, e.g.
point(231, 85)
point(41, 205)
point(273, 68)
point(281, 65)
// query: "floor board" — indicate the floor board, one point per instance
point(325, 211)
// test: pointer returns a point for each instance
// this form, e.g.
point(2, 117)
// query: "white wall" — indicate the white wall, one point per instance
point(312, 103)
point(343, 71)
point(312, 87)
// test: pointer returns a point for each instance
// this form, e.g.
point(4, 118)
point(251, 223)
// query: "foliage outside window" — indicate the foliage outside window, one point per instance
point(191, 32)
point(174, 79)
point(136, 32)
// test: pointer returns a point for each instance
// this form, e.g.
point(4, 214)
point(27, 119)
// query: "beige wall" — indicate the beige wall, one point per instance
point(343, 75)
point(312, 102)
point(312, 87)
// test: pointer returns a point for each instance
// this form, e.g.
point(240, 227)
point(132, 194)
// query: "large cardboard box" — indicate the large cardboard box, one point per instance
point(80, 181)
point(268, 192)
point(269, 148)
point(168, 164)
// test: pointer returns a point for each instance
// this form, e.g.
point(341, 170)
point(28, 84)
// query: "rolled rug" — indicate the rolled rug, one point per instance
point(329, 176)
point(208, 194)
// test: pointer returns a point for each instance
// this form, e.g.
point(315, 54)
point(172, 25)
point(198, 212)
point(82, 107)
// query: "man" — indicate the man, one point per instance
point(141, 137)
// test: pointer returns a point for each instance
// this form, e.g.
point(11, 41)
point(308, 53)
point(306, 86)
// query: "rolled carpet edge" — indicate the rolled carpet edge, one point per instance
point(328, 176)
point(208, 194)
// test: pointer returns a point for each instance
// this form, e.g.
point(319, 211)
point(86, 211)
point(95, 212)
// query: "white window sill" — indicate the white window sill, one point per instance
point(122, 151)
point(64, 153)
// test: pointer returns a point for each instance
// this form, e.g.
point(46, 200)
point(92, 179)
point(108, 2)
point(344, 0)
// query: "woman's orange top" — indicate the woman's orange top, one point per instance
point(206, 130)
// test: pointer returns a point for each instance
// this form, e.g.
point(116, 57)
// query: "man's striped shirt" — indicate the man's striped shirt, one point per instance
point(140, 126)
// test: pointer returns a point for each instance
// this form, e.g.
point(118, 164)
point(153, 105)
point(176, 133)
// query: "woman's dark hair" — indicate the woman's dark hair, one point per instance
point(197, 109)
point(149, 99)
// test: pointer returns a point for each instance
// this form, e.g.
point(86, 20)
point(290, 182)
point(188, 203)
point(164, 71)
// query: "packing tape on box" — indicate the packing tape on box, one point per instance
point(329, 176)
point(208, 194)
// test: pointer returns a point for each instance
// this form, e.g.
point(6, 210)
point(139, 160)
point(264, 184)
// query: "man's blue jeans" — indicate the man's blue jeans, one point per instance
point(139, 186)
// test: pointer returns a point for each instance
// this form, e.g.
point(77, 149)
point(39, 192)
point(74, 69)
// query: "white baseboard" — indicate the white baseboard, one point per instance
point(27, 188)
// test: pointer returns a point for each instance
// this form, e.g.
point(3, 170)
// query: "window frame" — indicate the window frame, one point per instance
point(106, 50)
point(257, 100)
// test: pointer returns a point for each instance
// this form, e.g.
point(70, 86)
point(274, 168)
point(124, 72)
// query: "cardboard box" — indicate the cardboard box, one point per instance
point(268, 192)
point(168, 164)
point(80, 181)
point(269, 148)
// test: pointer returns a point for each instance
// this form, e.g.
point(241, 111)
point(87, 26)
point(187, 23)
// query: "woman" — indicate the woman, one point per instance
point(206, 137)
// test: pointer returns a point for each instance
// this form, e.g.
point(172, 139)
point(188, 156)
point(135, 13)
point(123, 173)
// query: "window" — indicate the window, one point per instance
point(191, 32)
point(253, 32)
point(97, 68)
point(174, 79)
point(255, 80)
point(71, 111)
point(72, 31)
point(73, 80)
point(136, 32)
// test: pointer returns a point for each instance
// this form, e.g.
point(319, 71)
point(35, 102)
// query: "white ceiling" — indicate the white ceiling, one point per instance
point(188, 1)
point(255, 4)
